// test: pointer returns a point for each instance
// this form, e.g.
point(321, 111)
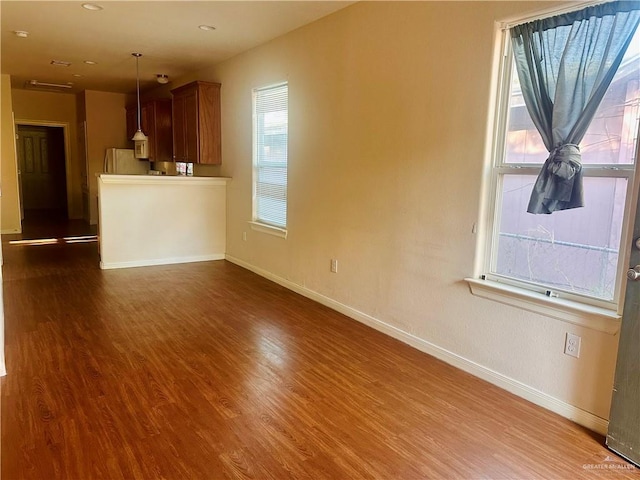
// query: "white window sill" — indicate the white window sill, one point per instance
point(596, 318)
point(269, 229)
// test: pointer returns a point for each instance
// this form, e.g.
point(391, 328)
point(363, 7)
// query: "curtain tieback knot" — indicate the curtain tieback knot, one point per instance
point(559, 184)
point(564, 161)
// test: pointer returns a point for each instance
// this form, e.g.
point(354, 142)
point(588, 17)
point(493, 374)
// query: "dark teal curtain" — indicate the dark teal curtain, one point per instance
point(565, 65)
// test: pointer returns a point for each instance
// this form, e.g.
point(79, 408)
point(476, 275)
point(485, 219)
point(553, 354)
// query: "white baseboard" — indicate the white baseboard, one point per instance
point(573, 413)
point(161, 261)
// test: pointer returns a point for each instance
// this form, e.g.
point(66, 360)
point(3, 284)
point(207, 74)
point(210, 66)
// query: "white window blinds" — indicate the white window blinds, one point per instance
point(270, 114)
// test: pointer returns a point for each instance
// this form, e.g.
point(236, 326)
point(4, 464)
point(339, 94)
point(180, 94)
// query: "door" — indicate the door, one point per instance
point(623, 436)
point(41, 161)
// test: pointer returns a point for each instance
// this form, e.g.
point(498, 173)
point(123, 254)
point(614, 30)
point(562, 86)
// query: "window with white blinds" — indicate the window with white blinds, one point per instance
point(270, 133)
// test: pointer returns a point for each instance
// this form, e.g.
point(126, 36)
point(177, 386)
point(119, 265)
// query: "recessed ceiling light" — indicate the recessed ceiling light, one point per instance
point(90, 62)
point(21, 33)
point(60, 63)
point(91, 6)
point(207, 28)
point(77, 75)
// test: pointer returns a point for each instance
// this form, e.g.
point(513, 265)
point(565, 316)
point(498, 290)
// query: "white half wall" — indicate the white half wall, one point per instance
point(154, 220)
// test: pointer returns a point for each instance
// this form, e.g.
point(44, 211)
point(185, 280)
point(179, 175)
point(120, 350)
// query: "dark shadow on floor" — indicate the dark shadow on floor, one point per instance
point(39, 224)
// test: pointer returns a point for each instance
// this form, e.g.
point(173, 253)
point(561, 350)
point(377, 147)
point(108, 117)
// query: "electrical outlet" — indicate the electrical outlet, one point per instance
point(244, 236)
point(572, 345)
point(334, 265)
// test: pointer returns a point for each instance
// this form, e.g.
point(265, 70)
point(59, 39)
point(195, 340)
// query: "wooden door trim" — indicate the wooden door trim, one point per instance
point(67, 156)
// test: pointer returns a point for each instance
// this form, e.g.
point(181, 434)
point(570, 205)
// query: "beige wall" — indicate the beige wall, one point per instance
point(10, 208)
point(106, 127)
point(387, 128)
point(55, 108)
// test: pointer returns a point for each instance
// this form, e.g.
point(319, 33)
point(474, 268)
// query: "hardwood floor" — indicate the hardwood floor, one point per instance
point(207, 371)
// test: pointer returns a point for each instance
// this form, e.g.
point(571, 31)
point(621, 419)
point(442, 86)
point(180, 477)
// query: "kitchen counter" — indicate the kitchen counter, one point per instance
point(146, 179)
point(160, 219)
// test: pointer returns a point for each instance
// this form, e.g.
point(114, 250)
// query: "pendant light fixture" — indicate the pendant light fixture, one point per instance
point(141, 149)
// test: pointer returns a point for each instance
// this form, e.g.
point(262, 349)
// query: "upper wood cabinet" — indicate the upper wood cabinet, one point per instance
point(155, 121)
point(196, 123)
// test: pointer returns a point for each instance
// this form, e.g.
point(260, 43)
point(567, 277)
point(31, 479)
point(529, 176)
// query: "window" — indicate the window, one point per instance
point(270, 140)
point(573, 254)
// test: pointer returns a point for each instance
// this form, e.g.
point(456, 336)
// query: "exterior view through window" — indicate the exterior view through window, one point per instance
point(271, 120)
point(575, 251)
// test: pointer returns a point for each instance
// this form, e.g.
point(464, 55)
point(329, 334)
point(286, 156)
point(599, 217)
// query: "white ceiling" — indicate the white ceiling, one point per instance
point(165, 32)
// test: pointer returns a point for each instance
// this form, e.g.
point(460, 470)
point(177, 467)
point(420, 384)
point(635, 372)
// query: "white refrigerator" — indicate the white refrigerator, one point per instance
point(123, 161)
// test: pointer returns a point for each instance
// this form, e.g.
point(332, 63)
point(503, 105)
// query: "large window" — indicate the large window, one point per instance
point(575, 254)
point(270, 132)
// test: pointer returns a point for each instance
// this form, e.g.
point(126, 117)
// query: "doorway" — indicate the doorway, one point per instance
point(42, 172)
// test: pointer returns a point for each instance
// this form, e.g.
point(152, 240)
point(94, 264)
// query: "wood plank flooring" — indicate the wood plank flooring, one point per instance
point(207, 371)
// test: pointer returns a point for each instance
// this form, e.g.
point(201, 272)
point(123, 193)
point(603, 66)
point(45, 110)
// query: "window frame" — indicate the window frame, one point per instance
point(257, 223)
point(497, 169)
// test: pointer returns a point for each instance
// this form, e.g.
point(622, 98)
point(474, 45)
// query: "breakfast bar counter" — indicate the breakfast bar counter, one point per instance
point(155, 220)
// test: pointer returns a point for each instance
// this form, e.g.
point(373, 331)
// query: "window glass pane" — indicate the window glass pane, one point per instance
point(271, 195)
point(271, 140)
point(574, 250)
point(611, 135)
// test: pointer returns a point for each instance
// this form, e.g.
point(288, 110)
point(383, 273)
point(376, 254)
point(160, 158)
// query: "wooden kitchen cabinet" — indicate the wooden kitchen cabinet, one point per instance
point(155, 121)
point(196, 123)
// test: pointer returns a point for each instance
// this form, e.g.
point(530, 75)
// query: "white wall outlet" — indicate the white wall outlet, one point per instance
point(572, 345)
point(334, 265)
